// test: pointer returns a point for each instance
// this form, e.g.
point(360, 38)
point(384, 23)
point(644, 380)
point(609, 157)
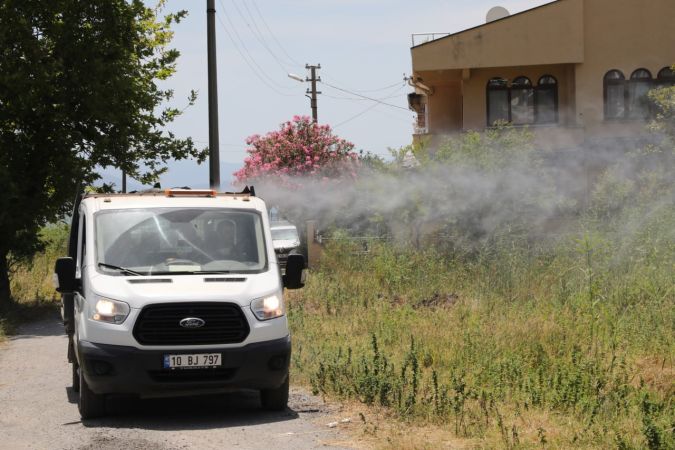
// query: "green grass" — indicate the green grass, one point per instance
point(568, 345)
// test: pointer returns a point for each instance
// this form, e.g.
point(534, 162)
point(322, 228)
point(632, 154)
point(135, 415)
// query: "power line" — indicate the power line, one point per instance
point(359, 99)
point(380, 89)
point(258, 35)
point(383, 88)
point(262, 18)
point(371, 107)
point(393, 116)
point(245, 59)
point(246, 55)
point(365, 97)
point(355, 116)
point(245, 48)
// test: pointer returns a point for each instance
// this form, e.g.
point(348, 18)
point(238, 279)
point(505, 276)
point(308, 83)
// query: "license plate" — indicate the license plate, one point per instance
point(191, 361)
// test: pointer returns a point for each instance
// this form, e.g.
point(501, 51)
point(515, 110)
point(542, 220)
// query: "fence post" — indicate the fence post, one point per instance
point(314, 249)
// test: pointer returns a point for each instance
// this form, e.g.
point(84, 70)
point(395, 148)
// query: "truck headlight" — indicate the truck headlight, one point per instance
point(110, 311)
point(268, 307)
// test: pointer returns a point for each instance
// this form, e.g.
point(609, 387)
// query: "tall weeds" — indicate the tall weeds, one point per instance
point(567, 344)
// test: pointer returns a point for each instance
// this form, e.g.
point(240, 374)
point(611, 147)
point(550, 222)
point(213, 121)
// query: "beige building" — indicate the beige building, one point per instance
point(572, 70)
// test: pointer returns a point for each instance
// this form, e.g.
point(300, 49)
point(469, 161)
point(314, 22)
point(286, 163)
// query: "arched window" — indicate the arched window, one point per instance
point(638, 88)
point(522, 101)
point(666, 77)
point(546, 100)
point(497, 101)
point(615, 95)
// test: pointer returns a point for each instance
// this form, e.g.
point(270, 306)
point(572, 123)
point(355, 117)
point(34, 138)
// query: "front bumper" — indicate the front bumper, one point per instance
point(114, 369)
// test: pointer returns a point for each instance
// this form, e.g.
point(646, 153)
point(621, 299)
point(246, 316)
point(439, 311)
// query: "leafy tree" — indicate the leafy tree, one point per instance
point(299, 148)
point(79, 89)
point(664, 102)
point(292, 166)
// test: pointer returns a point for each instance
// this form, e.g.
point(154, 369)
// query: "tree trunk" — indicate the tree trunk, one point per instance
point(5, 293)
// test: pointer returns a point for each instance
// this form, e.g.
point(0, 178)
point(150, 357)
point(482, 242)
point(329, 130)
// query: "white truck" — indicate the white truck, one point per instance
point(176, 292)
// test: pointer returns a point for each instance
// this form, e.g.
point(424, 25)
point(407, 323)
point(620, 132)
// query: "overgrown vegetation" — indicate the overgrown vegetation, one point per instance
point(32, 280)
point(527, 317)
point(563, 346)
point(32, 286)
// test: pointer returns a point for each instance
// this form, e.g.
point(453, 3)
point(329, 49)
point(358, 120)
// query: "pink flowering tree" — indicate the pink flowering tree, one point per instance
point(300, 148)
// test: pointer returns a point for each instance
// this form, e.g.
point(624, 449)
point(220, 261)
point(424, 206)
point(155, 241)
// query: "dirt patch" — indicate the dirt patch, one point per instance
point(657, 373)
point(371, 427)
point(116, 443)
point(438, 301)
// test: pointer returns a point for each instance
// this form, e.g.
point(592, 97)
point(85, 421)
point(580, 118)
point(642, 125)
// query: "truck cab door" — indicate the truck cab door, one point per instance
point(68, 299)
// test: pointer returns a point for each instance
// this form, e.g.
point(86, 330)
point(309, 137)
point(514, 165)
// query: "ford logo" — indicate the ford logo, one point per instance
point(192, 322)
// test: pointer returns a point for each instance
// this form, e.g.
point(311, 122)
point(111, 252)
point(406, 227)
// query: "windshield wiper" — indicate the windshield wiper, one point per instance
point(121, 269)
point(191, 272)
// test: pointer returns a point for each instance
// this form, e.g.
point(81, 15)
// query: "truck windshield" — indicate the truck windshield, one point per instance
point(179, 241)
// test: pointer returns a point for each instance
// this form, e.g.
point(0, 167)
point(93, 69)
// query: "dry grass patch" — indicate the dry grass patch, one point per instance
point(656, 372)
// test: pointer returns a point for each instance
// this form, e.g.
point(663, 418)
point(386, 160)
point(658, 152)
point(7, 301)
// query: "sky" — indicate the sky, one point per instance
point(363, 47)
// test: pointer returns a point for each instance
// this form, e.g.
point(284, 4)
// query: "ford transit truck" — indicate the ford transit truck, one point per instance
point(173, 293)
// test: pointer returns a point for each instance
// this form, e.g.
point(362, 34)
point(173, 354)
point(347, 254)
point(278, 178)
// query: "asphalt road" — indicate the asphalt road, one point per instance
point(38, 410)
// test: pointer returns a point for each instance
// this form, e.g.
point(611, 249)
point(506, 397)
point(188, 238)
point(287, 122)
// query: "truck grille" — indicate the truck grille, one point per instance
point(160, 324)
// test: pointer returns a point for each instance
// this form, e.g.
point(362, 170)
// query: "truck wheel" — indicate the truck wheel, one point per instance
point(275, 399)
point(76, 376)
point(91, 405)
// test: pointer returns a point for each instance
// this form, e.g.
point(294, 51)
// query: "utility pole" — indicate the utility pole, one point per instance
point(214, 145)
point(313, 79)
point(124, 182)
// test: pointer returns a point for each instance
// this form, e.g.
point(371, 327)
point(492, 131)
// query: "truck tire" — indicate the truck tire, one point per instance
point(275, 399)
point(76, 376)
point(90, 404)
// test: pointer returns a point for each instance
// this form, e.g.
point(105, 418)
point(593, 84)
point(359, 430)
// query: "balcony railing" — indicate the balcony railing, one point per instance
point(421, 38)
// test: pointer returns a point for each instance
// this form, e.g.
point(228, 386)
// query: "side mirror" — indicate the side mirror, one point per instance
point(294, 267)
point(64, 269)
